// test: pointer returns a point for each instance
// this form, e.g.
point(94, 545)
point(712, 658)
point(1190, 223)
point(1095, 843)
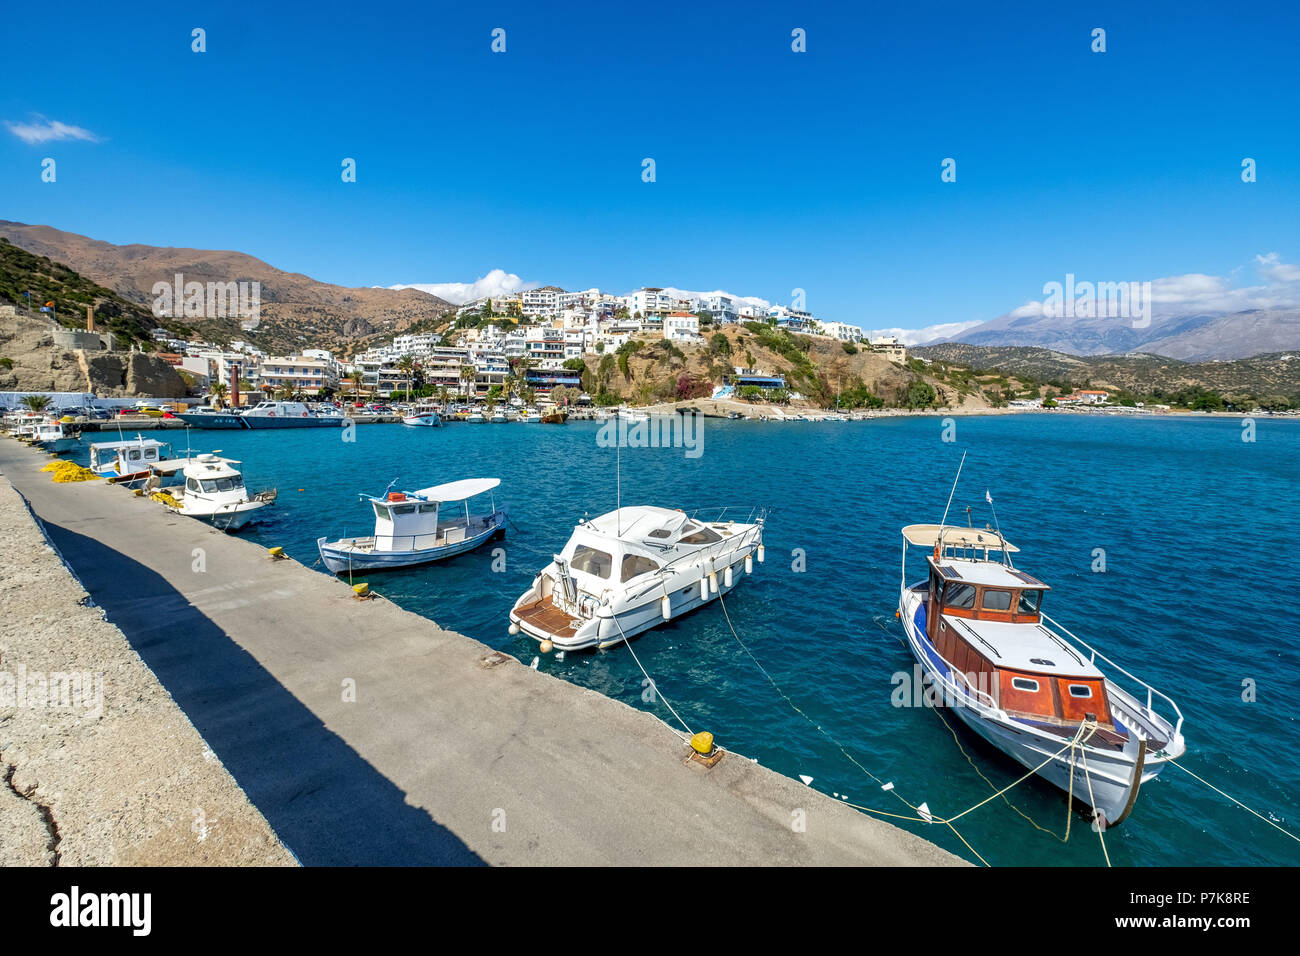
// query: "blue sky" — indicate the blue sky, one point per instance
point(775, 170)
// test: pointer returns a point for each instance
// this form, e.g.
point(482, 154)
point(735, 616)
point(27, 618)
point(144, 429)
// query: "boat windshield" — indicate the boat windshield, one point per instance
point(1030, 602)
point(232, 483)
point(635, 565)
point(591, 561)
point(697, 534)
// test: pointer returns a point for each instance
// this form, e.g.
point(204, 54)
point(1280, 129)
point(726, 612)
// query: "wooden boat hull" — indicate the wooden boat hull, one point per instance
point(1114, 774)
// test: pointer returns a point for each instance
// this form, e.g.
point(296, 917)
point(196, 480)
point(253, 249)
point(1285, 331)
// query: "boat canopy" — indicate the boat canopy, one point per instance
point(955, 536)
point(458, 490)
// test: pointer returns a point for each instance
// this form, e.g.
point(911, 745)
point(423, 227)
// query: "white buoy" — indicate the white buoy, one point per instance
point(546, 647)
point(749, 564)
point(514, 628)
point(665, 607)
point(807, 780)
point(726, 577)
point(713, 582)
point(924, 810)
point(761, 553)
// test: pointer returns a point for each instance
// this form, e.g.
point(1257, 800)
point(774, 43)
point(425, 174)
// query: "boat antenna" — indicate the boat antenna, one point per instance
point(953, 492)
point(997, 527)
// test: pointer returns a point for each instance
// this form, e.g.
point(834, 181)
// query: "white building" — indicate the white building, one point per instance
point(682, 327)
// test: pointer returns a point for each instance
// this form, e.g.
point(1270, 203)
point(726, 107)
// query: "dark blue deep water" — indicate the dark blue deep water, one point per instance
point(1199, 533)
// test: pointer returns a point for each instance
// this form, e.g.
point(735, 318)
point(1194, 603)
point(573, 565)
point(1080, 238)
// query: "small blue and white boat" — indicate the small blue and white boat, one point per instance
point(425, 416)
point(415, 527)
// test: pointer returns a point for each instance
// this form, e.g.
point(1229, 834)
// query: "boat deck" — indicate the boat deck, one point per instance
point(545, 616)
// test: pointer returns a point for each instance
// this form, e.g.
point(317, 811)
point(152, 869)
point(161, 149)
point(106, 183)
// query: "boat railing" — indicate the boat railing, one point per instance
point(1152, 693)
point(755, 514)
point(738, 543)
point(982, 696)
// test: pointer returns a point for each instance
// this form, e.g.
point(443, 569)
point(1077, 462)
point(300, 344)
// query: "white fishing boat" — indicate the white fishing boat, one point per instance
point(425, 416)
point(1023, 682)
point(476, 417)
point(53, 436)
point(499, 418)
point(633, 569)
point(130, 462)
point(416, 527)
point(213, 491)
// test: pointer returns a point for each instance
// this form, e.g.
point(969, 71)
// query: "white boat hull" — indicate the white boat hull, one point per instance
point(687, 591)
point(430, 420)
point(352, 554)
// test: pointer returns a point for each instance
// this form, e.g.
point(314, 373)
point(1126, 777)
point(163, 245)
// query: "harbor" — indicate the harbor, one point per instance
point(796, 670)
point(449, 752)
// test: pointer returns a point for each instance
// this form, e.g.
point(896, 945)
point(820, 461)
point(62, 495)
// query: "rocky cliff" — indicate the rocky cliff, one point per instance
point(31, 362)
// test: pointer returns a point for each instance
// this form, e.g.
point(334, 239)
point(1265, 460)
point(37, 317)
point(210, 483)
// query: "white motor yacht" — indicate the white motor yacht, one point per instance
point(632, 569)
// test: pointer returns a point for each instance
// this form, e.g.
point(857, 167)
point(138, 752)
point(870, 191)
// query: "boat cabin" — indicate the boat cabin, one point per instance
point(416, 520)
point(126, 457)
point(985, 618)
point(209, 476)
point(623, 545)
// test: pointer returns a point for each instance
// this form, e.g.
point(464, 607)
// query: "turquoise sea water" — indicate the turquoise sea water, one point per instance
point(1197, 527)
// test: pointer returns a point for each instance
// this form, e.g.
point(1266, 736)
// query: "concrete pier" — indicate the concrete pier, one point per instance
point(366, 734)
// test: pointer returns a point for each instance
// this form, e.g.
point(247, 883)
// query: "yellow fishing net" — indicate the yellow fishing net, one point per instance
point(65, 471)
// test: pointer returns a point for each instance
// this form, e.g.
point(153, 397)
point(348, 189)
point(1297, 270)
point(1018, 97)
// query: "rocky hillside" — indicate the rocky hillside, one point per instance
point(821, 370)
point(31, 362)
point(1141, 375)
point(22, 272)
point(296, 311)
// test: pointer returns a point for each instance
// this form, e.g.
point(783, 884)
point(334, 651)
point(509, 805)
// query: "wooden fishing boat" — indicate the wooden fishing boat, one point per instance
point(1023, 682)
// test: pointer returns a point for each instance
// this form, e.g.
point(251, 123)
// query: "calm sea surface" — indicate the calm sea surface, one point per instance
point(1197, 527)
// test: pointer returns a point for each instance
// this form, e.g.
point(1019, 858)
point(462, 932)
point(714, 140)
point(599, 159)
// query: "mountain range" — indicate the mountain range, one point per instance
point(1200, 337)
point(296, 311)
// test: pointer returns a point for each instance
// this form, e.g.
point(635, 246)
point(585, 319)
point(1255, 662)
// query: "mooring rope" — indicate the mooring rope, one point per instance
point(654, 686)
point(1092, 800)
point(842, 749)
point(1069, 812)
point(1235, 800)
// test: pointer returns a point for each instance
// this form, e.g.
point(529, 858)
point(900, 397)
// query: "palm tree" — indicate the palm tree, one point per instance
point(407, 364)
point(358, 379)
point(36, 403)
point(467, 375)
point(219, 390)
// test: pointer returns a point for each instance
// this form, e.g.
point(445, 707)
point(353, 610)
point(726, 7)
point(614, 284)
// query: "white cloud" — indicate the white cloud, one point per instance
point(928, 334)
point(498, 282)
point(1271, 268)
point(42, 130)
point(1193, 293)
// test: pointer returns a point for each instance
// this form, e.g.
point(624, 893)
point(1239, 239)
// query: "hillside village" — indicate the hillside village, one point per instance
point(583, 347)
